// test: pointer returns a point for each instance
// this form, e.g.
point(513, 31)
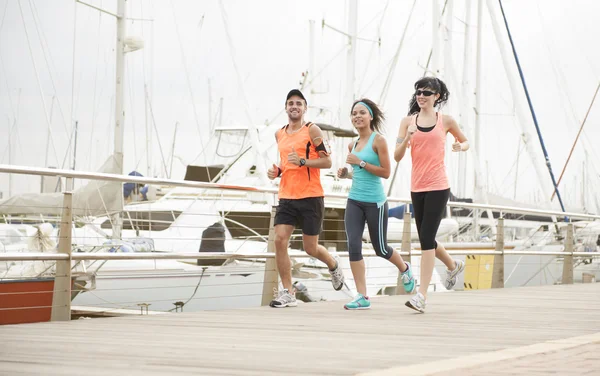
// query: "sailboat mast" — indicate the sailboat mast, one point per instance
point(119, 105)
point(350, 60)
point(435, 23)
point(10, 178)
point(119, 87)
point(464, 111)
point(476, 131)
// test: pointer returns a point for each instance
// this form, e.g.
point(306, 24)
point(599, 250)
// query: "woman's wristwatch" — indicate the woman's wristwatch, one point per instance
point(362, 164)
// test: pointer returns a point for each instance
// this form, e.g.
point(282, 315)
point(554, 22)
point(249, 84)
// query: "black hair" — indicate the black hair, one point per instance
point(434, 84)
point(378, 117)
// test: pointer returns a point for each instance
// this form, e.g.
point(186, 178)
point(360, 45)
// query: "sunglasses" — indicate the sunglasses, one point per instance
point(426, 93)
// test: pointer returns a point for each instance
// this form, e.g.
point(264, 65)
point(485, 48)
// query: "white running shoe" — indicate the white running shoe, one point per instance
point(452, 274)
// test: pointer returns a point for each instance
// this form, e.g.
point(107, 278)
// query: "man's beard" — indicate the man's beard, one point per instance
point(294, 116)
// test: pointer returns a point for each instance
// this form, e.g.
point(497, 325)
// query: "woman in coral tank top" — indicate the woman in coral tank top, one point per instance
point(424, 131)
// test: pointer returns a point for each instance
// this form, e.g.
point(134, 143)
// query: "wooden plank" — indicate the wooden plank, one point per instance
point(313, 338)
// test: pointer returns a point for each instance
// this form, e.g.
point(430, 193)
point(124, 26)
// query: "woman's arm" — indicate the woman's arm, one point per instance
point(380, 147)
point(404, 136)
point(461, 143)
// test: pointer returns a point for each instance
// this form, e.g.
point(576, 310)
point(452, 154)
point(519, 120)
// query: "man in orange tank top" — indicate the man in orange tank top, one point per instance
point(303, 153)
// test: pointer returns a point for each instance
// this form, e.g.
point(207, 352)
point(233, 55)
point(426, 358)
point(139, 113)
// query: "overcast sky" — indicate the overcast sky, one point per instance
point(254, 52)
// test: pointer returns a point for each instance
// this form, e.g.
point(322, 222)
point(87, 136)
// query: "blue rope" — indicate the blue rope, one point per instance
point(537, 127)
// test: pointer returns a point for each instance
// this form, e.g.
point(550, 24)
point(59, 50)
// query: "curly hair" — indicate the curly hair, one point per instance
point(434, 84)
point(378, 116)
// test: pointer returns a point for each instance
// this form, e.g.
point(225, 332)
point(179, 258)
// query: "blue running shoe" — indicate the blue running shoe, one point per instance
point(408, 280)
point(360, 302)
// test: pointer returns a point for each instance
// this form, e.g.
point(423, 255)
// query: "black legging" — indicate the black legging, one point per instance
point(429, 210)
point(357, 213)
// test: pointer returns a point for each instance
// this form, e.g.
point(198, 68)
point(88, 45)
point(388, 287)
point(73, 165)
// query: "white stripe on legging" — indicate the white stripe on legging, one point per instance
point(381, 245)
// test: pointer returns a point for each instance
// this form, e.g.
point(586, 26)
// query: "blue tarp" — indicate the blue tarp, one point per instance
point(398, 211)
point(130, 187)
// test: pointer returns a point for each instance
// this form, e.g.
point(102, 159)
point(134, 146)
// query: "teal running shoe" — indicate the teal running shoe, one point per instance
point(408, 280)
point(360, 302)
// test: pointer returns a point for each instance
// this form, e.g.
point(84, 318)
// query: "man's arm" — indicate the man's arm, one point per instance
point(316, 136)
point(274, 171)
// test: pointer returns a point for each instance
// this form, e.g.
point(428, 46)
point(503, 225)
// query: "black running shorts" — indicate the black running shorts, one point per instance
point(305, 212)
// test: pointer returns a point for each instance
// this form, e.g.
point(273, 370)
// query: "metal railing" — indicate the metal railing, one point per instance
point(61, 305)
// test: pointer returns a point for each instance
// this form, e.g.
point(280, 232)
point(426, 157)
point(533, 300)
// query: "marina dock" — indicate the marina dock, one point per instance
point(528, 330)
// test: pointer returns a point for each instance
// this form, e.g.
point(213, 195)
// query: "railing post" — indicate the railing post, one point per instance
point(271, 275)
point(61, 297)
point(567, 274)
point(405, 248)
point(498, 271)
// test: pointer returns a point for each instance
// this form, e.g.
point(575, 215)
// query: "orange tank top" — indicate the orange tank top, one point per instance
point(427, 150)
point(298, 182)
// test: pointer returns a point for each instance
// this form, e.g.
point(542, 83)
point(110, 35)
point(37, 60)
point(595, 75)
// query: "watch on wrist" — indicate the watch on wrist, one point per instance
point(302, 162)
point(362, 164)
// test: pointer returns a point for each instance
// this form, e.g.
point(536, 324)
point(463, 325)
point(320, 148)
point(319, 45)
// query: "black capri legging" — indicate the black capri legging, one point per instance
point(429, 210)
point(359, 212)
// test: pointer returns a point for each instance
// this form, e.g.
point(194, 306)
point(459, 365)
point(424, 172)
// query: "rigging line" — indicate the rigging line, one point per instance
point(3, 17)
point(562, 89)
point(390, 76)
point(13, 129)
point(148, 142)
point(94, 107)
point(577, 138)
point(510, 170)
point(431, 50)
point(106, 65)
point(391, 185)
point(162, 156)
point(73, 58)
point(382, 14)
point(49, 64)
point(233, 58)
point(187, 76)
point(343, 49)
point(38, 82)
point(546, 156)
point(11, 105)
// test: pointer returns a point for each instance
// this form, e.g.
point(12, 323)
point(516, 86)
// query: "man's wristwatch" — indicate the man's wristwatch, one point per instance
point(302, 162)
point(362, 164)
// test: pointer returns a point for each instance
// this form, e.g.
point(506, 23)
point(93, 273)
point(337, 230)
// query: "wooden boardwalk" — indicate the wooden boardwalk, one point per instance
point(473, 332)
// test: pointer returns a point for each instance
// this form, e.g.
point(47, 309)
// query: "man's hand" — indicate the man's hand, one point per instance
point(293, 157)
point(273, 172)
point(342, 172)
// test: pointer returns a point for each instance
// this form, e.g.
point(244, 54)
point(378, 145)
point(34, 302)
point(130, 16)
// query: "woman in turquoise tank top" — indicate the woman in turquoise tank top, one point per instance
point(367, 202)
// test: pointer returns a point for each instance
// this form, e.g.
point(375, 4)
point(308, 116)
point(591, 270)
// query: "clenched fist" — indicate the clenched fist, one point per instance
point(273, 172)
point(293, 157)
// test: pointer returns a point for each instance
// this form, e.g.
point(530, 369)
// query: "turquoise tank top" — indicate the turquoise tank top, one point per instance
point(367, 187)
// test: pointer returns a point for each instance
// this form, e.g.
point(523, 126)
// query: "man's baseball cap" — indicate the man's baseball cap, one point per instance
point(297, 93)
